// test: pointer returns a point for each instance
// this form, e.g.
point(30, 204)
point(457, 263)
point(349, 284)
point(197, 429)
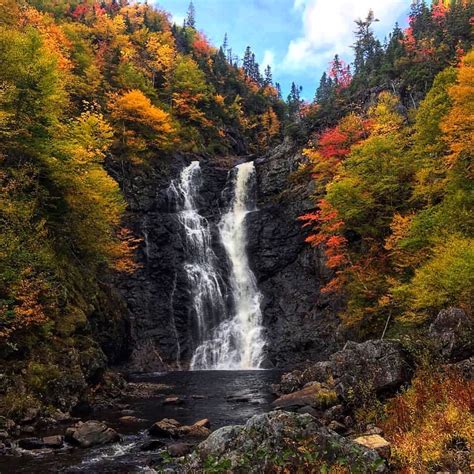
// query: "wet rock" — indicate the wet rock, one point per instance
point(31, 443)
point(127, 412)
point(173, 401)
point(3, 435)
point(375, 442)
point(453, 334)
point(177, 450)
point(53, 442)
point(205, 423)
point(129, 419)
point(314, 395)
point(240, 448)
point(167, 427)
point(91, 433)
point(170, 428)
point(152, 445)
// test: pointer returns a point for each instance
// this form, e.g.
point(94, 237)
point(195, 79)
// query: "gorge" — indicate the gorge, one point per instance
point(204, 269)
point(223, 257)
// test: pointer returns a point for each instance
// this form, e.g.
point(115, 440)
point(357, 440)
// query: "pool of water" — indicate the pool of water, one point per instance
point(224, 397)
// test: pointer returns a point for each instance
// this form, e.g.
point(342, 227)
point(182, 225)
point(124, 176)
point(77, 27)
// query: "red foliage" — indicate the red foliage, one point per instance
point(327, 226)
point(201, 45)
point(340, 72)
point(440, 10)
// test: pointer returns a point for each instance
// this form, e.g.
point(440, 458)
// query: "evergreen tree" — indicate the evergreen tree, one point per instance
point(268, 78)
point(294, 101)
point(191, 16)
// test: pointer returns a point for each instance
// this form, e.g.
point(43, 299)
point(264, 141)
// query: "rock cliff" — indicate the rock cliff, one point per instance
point(300, 323)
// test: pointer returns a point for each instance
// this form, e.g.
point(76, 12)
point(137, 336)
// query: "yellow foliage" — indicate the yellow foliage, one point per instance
point(458, 126)
point(137, 115)
point(385, 117)
point(161, 50)
point(53, 36)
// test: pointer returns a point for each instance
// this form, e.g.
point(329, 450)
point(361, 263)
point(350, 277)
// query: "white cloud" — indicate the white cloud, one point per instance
point(268, 59)
point(328, 28)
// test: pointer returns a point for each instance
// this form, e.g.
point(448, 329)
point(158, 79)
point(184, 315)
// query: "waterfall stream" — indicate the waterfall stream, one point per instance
point(201, 265)
point(228, 339)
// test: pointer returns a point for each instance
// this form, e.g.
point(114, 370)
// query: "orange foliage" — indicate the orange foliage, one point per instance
point(422, 422)
point(53, 36)
point(27, 310)
point(136, 112)
point(458, 124)
point(125, 261)
point(201, 45)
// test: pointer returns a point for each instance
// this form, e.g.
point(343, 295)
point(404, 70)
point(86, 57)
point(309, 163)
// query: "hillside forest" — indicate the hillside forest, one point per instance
point(90, 90)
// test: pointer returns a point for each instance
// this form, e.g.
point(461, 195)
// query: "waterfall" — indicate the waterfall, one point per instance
point(237, 342)
point(205, 283)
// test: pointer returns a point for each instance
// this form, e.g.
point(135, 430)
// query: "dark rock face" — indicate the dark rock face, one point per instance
point(300, 322)
point(157, 294)
point(265, 440)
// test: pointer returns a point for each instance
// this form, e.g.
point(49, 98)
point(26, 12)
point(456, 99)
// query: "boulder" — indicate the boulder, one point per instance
point(177, 450)
point(452, 333)
point(375, 442)
point(53, 442)
point(283, 440)
point(314, 395)
point(205, 423)
point(170, 428)
point(31, 443)
point(378, 366)
point(91, 433)
point(152, 445)
point(165, 428)
point(129, 419)
point(173, 401)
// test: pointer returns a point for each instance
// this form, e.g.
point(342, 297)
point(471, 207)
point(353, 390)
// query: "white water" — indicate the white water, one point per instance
point(201, 266)
point(237, 342)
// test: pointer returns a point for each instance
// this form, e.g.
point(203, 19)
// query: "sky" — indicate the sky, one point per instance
point(297, 38)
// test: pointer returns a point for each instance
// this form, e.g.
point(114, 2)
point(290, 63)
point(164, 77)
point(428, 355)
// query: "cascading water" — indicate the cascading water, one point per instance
point(201, 266)
point(237, 342)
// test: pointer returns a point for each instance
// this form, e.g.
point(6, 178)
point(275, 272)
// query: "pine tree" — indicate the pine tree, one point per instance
point(278, 88)
point(247, 61)
point(191, 16)
point(294, 100)
point(268, 78)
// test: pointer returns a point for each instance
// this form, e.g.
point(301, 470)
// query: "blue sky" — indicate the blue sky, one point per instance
point(297, 38)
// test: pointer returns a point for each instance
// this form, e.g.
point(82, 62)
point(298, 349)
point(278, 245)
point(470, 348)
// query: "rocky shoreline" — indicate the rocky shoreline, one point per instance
point(314, 422)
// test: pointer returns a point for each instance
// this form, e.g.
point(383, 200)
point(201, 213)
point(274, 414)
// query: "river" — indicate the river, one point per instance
point(224, 397)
